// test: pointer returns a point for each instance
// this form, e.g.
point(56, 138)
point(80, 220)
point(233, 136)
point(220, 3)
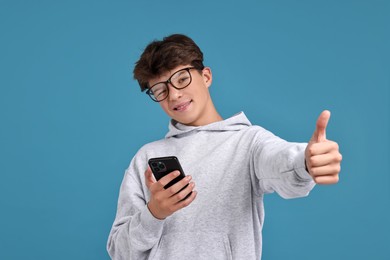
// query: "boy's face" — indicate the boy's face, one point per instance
point(191, 105)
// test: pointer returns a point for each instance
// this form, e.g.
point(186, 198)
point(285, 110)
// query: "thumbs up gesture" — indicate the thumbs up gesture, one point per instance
point(322, 156)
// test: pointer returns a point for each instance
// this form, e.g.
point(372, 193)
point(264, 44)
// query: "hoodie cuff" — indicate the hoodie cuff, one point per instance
point(151, 224)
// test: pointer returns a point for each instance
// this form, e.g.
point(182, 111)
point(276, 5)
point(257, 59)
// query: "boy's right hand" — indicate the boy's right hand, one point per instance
point(164, 202)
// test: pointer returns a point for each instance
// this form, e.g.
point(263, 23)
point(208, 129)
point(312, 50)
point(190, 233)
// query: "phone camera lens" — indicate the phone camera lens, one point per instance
point(154, 164)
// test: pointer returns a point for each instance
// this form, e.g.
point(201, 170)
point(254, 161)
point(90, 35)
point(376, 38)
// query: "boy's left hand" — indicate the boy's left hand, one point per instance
point(322, 156)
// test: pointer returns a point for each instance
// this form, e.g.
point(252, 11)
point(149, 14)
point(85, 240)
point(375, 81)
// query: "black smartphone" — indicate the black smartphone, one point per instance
point(162, 166)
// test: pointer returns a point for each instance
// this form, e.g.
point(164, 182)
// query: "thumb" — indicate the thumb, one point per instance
point(319, 134)
point(149, 178)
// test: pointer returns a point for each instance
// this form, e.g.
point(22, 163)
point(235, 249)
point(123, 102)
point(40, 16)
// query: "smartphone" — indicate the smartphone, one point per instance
point(162, 166)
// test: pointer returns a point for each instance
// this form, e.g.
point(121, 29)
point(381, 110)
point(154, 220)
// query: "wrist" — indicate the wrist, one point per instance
point(152, 211)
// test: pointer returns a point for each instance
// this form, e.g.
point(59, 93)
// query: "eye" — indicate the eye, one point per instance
point(159, 90)
point(160, 93)
point(183, 79)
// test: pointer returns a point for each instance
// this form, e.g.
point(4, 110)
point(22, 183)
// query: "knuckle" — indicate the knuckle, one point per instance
point(180, 196)
point(186, 202)
point(153, 194)
point(171, 190)
point(312, 161)
point(158, 199)
point(160, 184)
point(185, 180)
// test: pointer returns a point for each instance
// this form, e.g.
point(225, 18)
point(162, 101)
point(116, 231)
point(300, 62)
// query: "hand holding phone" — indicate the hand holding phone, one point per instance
point(172, 191)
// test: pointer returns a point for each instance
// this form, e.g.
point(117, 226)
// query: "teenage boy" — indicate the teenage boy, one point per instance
point(232, 162)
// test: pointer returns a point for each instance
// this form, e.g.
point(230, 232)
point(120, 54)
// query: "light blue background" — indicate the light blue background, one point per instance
point(72, 117)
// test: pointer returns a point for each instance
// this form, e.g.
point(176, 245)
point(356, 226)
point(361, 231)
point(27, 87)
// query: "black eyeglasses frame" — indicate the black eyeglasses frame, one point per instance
point(168, 81)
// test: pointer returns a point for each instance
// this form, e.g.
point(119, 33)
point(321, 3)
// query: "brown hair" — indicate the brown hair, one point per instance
point(162, 56)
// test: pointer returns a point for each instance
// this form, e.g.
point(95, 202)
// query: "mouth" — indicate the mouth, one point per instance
point(182, 106)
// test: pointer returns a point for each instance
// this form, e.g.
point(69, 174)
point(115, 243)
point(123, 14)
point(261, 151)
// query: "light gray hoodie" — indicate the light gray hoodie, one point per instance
point(233, 164)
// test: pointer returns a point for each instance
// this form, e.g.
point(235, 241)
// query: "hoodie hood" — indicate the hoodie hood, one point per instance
point(234, 123)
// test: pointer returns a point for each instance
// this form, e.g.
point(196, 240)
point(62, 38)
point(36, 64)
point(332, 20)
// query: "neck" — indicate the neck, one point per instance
point(210, 115)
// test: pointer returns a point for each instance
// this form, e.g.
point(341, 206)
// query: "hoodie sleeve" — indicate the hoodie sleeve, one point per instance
point(280, 166)
point(135, 230)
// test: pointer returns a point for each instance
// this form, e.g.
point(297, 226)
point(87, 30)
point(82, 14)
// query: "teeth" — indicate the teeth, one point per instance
point(182, 106)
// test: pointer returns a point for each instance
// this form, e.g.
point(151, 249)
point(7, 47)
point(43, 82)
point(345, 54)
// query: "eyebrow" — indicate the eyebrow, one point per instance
point(178, 73)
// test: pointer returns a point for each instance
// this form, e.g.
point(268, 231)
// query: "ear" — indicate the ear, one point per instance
point(207, 76)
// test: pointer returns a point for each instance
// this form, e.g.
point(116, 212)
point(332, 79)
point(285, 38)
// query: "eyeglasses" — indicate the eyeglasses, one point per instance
point(179, 80)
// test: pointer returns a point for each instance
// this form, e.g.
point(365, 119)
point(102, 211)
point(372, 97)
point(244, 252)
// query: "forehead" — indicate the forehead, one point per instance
point(165, 75)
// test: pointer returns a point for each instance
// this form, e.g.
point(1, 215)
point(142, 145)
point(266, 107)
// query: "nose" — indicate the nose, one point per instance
point(174, 93)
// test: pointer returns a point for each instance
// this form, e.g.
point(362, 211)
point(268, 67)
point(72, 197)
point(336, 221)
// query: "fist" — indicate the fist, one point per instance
point(323, 159)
